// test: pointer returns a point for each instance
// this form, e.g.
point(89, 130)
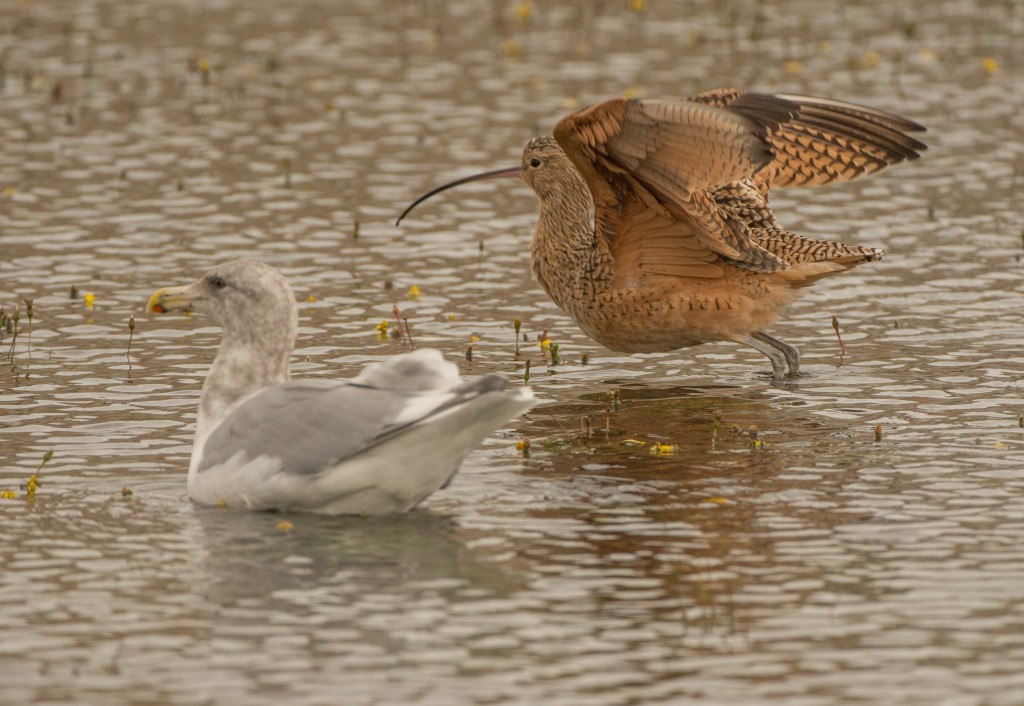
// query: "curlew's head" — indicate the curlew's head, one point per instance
point(545, 167)
point(542, 166)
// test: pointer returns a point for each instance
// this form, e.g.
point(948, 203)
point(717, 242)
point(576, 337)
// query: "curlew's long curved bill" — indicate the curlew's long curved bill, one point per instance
point(507, 172)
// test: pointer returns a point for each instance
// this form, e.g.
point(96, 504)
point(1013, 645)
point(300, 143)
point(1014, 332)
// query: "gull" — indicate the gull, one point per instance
point(380, 442)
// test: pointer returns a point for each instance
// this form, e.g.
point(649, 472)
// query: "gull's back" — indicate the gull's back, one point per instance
point(381, 442)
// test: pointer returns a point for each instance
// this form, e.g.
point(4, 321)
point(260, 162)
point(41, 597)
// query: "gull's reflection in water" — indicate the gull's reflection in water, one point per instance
point(257, 556)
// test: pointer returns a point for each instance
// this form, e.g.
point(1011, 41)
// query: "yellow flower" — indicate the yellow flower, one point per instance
point(311, 299)
point(637, 5)
point(545, 345)
point(660, 449)
point(870, 60)
point(414, 292)
point(794, 66)
point(452, 317)
point(382, 327)
point(990, 65)
point(8, 495)
point(90, 300)
point(285, 526)
point(222, 504)
point(524, 10)
point(474, 338)
point(512, 49)
point(203, 64)
point(634, 92)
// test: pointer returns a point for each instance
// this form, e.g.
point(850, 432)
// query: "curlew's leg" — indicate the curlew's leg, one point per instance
point(774, 354)
point(791, 354)
point(780, 354)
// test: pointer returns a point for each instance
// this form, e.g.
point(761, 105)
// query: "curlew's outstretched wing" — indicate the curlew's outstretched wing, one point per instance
point(666, 155)
point(825, 140)
point(672, 156)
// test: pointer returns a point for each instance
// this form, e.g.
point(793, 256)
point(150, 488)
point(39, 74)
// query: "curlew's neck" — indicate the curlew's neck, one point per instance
point(565, 256)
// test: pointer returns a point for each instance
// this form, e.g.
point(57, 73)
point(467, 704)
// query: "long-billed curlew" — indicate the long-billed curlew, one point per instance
point(655, 231)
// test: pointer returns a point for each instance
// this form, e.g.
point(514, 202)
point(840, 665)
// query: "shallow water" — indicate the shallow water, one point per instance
point(821, 567)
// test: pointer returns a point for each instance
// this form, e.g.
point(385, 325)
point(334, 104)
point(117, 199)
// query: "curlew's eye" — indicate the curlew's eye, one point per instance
point(217, 282)
point(535, 162)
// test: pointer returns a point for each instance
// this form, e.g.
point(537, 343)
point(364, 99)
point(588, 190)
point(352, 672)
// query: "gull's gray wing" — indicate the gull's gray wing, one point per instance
point(311, 425)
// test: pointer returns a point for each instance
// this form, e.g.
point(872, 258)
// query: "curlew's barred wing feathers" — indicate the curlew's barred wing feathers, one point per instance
point(675, 157)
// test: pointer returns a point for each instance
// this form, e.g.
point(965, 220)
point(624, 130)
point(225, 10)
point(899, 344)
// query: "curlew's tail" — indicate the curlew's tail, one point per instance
point(810, 259)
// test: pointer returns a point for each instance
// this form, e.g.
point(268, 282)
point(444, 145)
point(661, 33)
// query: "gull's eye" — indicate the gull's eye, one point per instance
point(535, 162)
point(217, 282)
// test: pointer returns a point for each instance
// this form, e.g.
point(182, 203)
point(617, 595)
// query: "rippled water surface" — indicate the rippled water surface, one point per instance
point(143, 142)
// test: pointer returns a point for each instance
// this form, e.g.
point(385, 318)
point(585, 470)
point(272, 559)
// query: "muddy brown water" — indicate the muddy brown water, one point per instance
point(143, 142)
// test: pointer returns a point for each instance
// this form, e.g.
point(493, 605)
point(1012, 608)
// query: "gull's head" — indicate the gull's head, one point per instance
point(246, 298)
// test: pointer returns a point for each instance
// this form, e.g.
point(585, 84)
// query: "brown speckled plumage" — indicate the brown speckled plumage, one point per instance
point(655, 231)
